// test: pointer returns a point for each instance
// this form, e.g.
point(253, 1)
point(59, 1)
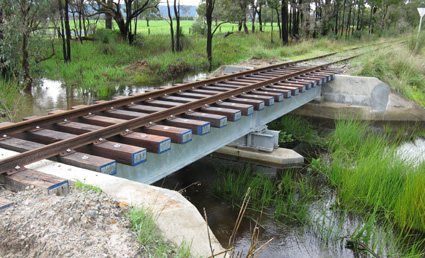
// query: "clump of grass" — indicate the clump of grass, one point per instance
point(370, 174)
point(402, 71)
point(87, 187)
point(288, 197)
point(144, 227)
point(415, 44)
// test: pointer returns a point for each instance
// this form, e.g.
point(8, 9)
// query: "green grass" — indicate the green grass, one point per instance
point(403, 71)
point(102, 65)
point(288, 197)
point(10, 98)
point(86, 187)
point(370, 175)
point(145, 229)
point(298, 127)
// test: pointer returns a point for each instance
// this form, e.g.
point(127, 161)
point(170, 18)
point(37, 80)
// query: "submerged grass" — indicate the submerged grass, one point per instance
point(370, 176)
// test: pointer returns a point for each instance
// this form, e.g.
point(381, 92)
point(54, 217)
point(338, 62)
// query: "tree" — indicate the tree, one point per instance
point(123, 21)
point(284, 13)
point(171, 26)
point(22, 47)
point(178, 30)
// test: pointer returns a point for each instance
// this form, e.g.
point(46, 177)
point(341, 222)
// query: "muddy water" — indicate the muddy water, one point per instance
point(53, 95)
point(288, 241)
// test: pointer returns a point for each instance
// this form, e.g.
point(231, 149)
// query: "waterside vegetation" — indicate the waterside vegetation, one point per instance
point(360, 193)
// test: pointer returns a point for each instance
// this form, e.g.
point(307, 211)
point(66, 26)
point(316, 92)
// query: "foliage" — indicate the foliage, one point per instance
point(23, 45)
point(10, 98)
point(144, 227)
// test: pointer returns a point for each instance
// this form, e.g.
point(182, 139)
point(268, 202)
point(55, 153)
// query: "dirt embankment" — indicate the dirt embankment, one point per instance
point(83, 224)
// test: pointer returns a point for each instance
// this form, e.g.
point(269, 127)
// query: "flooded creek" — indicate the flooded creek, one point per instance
point(325, 235)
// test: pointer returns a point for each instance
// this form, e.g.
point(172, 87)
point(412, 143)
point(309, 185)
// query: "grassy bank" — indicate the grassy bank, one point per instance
point(370, 174)
point(100, 66)
point(402, 68)
point(360, 191)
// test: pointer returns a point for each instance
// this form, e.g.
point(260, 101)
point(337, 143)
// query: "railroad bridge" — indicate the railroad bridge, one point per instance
point(148, 136)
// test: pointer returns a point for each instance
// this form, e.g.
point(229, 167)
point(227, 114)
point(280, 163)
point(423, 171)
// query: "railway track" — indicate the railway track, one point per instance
point(124, 129)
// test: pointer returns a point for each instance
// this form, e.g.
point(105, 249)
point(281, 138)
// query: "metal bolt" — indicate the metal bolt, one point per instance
point(151, 123)
point(171, 116)
point(100, 139)
point(150, 98)
point(68, 150)
point(112, 107)
point(132, 103)
point(189, 109)
point(166, 127)
point(4, 135)
point(117, 145)
point(85, 157)
point(143, 135)
point(65, 120)
point(89, 113)
point(37, 127)
point(127, 131)
point(17, 167)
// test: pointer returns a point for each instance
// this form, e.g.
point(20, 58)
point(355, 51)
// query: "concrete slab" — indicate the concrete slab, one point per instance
point(177, 218)
point(364, 98)
point(279, 157)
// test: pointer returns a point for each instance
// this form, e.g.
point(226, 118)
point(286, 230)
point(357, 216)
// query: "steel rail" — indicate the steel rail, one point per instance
point(13, 128)
point(9, 165)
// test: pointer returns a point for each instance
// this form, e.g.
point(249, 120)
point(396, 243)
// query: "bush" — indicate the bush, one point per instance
point(105, 36)
point(199, 28)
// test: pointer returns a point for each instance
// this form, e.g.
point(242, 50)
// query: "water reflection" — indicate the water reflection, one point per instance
point(413, 151)
point(53, 95)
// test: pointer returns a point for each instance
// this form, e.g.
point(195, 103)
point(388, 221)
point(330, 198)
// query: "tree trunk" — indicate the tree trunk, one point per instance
point(336, 18)
point(171, 26)
point(343, 18)
point(278, 23)
point(62, 33)
point(25, 63)
point(177, 15)
point(348, 21)
point(254, 12)
point(209, 10)
point(108, 18)
point(259, 17)
point(68, 33)
point(284, 13)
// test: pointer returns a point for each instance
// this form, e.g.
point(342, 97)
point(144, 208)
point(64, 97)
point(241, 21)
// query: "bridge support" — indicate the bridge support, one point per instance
point(261, 139)
point(159, 166)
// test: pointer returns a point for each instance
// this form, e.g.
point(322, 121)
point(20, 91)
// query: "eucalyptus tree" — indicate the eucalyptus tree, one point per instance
point(131, 12)
point(23, 46)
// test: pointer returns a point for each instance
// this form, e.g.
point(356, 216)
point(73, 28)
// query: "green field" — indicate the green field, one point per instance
point(163, 27)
